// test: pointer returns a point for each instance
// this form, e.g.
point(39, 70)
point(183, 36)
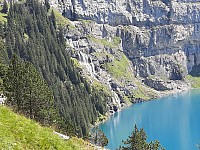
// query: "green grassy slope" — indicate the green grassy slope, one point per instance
point(195, 81)
point(20, 133)
point(61, 20)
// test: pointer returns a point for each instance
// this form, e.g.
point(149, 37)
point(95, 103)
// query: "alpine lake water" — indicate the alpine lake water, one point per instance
point(173, 120)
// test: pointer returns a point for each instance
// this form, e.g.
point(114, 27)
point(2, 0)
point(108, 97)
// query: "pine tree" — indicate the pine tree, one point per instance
point(14, 83)
point(46, 2)
point(5, 7)
point(98, 137)
point(53, 19)
point(1, 30)
point(28, 93)
point(3, 66)
point(3, 58)
point(137, 141)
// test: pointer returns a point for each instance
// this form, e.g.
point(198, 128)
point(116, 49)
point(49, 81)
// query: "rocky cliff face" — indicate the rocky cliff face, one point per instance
point(161, 38)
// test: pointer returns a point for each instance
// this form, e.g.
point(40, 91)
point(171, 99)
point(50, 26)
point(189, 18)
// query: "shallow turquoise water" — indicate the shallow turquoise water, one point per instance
point(173, 120)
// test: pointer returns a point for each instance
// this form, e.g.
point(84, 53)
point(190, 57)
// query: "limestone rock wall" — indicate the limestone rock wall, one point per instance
point(146, 27)
point(160, 37)
point(131, 12)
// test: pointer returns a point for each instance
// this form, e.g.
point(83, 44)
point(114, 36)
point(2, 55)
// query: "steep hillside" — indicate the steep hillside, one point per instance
point(34, 34)
point(18, 132)
point(99, 56)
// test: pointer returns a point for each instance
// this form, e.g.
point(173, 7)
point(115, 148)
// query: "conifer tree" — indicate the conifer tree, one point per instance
point(53, 19)
point(3, 58)
point(5, 7)
point(14, 83)
point(3, 66)
point(137, 141)
point(46, 2)
point(27, 92)
point(98, 137)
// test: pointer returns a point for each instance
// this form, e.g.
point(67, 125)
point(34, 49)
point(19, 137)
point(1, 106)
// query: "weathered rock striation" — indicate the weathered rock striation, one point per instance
point(161, 38)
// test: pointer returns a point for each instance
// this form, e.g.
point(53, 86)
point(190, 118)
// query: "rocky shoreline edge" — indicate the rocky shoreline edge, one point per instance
point(180, 86)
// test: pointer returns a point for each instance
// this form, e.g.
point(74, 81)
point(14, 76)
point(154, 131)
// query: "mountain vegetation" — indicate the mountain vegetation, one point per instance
point(3, 66)
point(98, 137)
point(18, 132)
point(41, 80)
point(28, 93)
point(5, 7)
point(137, 141)
point(194, 80)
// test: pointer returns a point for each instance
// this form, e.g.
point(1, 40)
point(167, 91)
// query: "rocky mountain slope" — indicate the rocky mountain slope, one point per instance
point(133, 49)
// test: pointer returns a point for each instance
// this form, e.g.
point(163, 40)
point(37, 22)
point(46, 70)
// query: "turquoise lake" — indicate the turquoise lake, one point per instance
point(173, 120)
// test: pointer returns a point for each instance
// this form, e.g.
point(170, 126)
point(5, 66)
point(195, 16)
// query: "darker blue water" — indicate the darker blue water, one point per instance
point(173, 120)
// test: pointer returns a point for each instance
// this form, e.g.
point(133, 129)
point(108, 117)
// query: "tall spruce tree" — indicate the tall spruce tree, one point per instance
point(98, 137)
point(3, 66)
point(3, 58)
point(137, 141)
point(27, 92)
point(14, 83)
point(5, 7)
point(46, 2)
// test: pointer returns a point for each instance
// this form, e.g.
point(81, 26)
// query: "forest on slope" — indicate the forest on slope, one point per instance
point(39, 71)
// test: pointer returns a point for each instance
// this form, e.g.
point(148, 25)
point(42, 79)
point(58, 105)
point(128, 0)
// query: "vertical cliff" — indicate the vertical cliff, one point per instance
point(160, 38)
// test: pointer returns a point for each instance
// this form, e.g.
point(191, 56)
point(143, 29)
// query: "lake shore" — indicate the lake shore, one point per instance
point(172, 113)
point(180, 87)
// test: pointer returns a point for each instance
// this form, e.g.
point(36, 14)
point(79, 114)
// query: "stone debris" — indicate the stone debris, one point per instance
point(2, 99)
point(65, 137)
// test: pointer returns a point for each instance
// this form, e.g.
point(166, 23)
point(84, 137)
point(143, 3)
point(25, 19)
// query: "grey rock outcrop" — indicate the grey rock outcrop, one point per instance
point(152, 27)
point(131, 12)
point(161, 38)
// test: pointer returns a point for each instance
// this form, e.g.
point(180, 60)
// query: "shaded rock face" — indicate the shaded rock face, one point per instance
point(152, 27)
point(158, 84)
point(132, 12)
point(163, 49)
point(169, 66)
point(160, 37)
point(118, 12)
point(165, 85)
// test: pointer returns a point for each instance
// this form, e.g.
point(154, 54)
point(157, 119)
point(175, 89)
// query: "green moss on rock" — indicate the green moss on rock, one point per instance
point(114, 43)
point(61, 20)
point(119, 68)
